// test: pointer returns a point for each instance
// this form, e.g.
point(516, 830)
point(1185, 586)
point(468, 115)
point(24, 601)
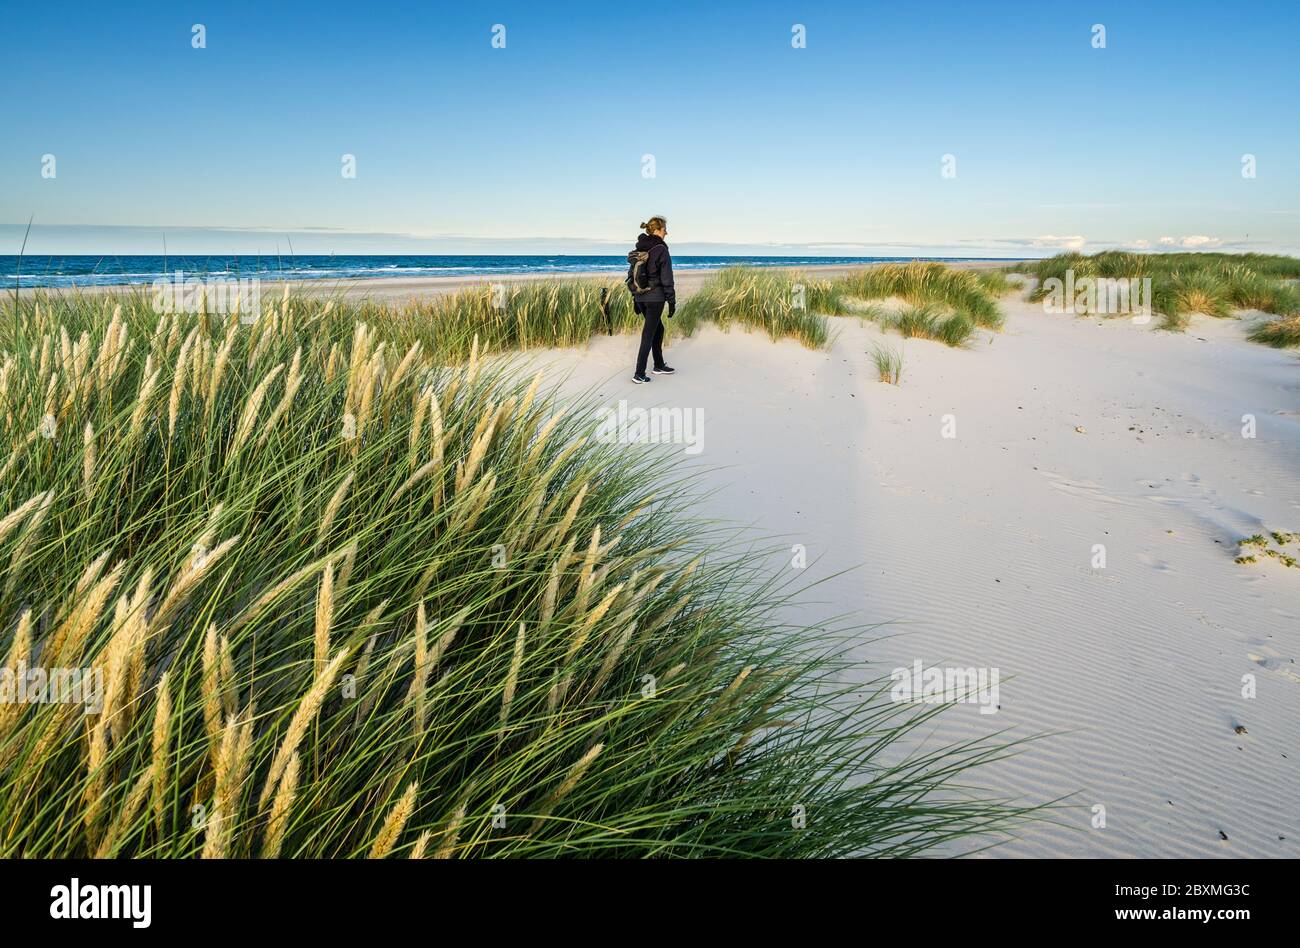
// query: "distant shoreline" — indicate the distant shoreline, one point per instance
point(407, 288)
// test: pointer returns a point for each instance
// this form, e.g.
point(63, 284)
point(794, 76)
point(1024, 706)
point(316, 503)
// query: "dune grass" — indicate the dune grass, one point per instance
point(1195, 291)
point(563, 313)
point(888, 362)
point(965, 293)
point(931, 321)
point(1280, 333)
point(351, 594)
point(947, 304)
point(782, 304)
point(1214, 284)
point(1120, 263)
point(997, 282)
point(506, 317)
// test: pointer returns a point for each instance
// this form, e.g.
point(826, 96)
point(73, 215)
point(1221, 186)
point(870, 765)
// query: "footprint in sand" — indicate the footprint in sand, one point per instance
point(1081, 489)
point(1286, 669)
point(1155, 563)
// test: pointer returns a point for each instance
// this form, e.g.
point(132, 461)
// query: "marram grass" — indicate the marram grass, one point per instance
point(350, 600)
point(931, 321)
point(782, 304)
point(888, 362)
point(505, 317)
point(1182, 284)
point(1279, 333)
point(788, 304)
point(948, 290)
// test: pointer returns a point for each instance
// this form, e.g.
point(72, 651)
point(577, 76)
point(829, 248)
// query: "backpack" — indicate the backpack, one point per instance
point(638, 277)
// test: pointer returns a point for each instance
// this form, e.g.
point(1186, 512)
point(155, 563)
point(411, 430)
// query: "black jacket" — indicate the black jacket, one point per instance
point(659, 271)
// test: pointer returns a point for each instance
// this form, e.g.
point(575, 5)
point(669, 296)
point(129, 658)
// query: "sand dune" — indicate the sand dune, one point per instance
point(980, 548)
point(399, 291)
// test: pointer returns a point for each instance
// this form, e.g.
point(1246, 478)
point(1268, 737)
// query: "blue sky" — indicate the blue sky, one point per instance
point(537, 147)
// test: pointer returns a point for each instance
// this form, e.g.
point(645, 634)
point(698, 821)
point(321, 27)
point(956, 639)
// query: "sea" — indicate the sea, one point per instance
point(92, 270)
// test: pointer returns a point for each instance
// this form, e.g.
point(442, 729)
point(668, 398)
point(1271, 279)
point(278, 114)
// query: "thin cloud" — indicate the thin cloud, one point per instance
point(1192, 242)
point(1073, 242)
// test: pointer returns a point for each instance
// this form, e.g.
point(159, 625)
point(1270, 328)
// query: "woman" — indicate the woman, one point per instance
point(650, 304)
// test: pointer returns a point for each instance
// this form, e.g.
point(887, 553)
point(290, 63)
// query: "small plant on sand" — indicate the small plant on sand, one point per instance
point(1175, 320)
point(889, 363)
point(1250, 548)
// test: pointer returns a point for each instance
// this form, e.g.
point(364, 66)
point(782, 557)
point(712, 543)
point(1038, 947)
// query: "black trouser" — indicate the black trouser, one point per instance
point(652, 336)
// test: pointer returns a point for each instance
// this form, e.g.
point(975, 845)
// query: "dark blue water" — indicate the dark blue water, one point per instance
point(89, 270)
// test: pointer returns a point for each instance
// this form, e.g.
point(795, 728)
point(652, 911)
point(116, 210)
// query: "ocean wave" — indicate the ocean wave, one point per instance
point(86, 270)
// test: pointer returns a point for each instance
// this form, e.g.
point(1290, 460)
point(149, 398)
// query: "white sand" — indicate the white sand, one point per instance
point(980, 547)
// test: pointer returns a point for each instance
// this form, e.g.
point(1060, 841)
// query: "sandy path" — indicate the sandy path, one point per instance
point(981, 547)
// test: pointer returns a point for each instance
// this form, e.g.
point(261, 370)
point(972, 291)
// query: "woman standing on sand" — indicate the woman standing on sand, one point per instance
point(650, 278)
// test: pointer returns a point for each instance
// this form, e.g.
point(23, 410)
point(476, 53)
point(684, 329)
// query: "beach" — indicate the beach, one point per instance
point(629, 436)
point(1034, 528)
point(980, 550)
point(402, 290)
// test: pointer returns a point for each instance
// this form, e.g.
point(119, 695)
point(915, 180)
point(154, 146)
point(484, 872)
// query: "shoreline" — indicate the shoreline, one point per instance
point(399, 289)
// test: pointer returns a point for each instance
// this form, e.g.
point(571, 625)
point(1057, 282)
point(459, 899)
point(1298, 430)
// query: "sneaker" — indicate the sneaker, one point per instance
point(664, 370)
point(639, 379)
